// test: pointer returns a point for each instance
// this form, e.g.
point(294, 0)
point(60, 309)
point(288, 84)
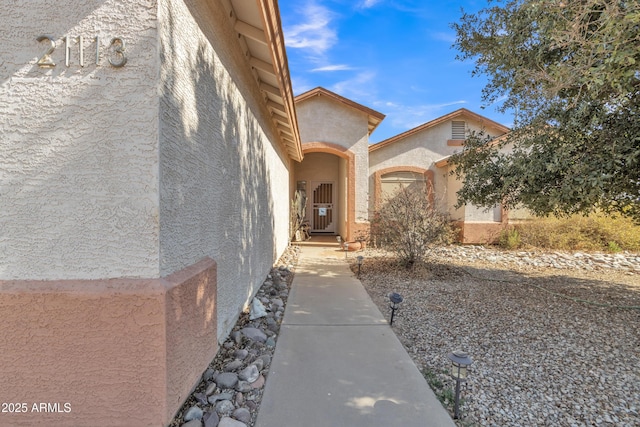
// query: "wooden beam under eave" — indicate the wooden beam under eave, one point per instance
point(277, 108)
point(265, 87)
point(262, 66)
point(250, 31)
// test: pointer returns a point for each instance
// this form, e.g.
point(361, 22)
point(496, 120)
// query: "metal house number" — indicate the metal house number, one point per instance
point(115, 50)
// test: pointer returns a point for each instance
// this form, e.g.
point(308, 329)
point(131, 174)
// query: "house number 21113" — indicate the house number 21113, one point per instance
point(116, 50)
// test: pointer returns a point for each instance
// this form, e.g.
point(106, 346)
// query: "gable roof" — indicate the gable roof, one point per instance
point(462, 112)
point(261, 38)
point(375, 117)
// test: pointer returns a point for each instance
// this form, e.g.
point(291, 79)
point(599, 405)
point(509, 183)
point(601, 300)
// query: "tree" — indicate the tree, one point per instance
point(570, 70)
point(408, 224)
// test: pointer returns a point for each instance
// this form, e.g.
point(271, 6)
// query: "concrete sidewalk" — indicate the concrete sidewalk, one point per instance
point(337, 362)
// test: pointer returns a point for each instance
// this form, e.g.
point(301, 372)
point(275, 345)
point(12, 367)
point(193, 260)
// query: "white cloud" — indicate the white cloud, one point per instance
point(336, 67)
point(313, 31)
point(359, 88)
point(405, 117)
point(368, 3)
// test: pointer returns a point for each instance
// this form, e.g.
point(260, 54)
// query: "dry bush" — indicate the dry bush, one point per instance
point(407, 224)
point(596, 232)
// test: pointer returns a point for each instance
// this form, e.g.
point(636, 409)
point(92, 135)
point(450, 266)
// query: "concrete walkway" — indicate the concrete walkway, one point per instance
point(337, 362)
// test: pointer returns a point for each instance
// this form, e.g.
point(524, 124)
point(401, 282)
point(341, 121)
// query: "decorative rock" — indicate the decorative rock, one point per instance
point(254, 334)
point(222, 396)
point(259, 383)
point(249, 374)
point(232, 366)
point(193, 413)
point(266, 359)
point(239, 399)
point(211, 389)
point(230, 422)
point(271, 342)
point(242, 414)
point(192, 423)
point(241, 354)
point(211, 419)
point(227, 380)
point(201, 398)
point(208, 374)
point(243, 386)
point(224, 407)
point(257, 310)
point(259, 364)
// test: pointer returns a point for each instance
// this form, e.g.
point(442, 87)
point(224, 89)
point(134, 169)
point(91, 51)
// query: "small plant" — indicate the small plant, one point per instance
point(509, 239)
point(614, 247)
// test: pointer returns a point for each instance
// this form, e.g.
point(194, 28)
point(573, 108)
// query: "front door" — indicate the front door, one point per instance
point(322, 199)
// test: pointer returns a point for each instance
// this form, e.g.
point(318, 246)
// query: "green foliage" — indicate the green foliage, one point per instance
point(597, 232)
point(570, 70)
point(408, 224)
point(509, 238)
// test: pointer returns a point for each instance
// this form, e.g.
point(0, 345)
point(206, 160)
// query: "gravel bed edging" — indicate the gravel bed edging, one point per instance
point(230, 391)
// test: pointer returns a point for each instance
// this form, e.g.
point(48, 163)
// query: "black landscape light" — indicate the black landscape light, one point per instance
point(460, 361)
point(360, 259)
point(346, 249)
point(395, 299)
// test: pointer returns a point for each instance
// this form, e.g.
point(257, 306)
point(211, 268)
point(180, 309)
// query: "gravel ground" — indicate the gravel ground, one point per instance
point(550, 342)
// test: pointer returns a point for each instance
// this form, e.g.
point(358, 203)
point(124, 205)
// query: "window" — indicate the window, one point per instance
point(458, 130)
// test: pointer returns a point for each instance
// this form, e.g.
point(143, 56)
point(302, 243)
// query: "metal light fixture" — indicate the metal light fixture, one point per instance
point(339, 239)
point(395, 299)
point(360, 259)
point(460, 361)
point(346, 249)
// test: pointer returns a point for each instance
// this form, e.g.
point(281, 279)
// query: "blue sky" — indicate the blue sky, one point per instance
point(394, 56)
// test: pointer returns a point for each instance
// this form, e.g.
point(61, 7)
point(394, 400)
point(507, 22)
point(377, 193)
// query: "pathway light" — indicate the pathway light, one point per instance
point(360, 259)
point(460, 361)
point(396, 299)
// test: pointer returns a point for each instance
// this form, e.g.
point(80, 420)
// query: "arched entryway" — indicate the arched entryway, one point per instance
point(327, 174)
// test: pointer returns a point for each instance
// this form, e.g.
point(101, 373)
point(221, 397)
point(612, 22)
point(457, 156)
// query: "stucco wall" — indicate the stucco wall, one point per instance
point(224, 179)
point(322, 119)
point(423, 149)
point(78, 146)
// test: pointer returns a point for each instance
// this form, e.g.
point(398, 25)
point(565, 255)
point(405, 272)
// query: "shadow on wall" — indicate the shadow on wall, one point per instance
point(217, 161)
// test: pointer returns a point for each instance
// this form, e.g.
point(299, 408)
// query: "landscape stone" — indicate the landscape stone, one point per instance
point(211, 388)
point(242, 414)
point(201, 398)
point(222, 396)
point(193, 413)
point(249, 374)
point(254, 334)
point(259, 383)
point(211, 419)
point(232, 366)
point(230, 422)
point(227, 380)
point(224, 407)
point(257, 310)
point(208, 374)
point(192, 423)
point(241, 354)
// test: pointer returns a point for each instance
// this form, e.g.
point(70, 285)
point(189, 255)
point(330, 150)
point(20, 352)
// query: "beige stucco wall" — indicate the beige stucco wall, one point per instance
point(78, 146)
point(224, 178)
point(422, 149)
point(116, 184)
point(322, 119)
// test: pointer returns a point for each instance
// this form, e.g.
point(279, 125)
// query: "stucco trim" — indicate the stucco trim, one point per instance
point(377, 181)
point(121, 351)
point(375, 117)
point(458, 113)
point(350, 157)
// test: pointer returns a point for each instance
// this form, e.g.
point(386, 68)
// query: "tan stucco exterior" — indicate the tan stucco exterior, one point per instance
point(142, 205)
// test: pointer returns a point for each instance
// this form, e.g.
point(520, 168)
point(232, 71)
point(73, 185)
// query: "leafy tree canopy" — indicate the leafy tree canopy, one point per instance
point(571, 72)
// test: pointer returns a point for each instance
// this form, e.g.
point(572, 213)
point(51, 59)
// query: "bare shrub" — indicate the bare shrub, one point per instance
point(408, 224)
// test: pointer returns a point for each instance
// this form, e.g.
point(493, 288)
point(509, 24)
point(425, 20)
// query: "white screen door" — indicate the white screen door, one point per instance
point(322, 199)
